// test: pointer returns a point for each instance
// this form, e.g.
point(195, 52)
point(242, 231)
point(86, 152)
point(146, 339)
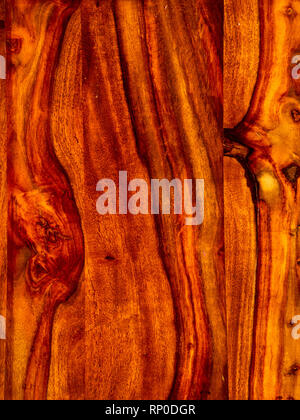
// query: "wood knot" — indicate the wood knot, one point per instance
point(109, 258)
point(296, 115)
point(52, 232)
point(14, 45)
point(294, 370)
point(290, 12)
point(292, 174)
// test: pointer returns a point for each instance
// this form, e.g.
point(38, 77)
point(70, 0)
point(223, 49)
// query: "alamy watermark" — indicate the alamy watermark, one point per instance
point(296, 329)
point(2, 328)
point(164, 196)
point(296, 68)
point(2, 67)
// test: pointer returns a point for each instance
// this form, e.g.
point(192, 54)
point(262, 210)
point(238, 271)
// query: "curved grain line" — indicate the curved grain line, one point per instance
point(44, 216)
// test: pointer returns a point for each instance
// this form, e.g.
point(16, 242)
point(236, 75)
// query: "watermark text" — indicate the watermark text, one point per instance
point(165, 196)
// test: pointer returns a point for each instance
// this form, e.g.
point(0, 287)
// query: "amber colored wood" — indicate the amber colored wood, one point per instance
point(114, 307)
point(45, 241)
point(266, 142)
point(139, 307)
point(240, 263)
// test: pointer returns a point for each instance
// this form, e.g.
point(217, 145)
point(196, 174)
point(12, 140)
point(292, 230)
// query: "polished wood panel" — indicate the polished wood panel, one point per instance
point(45, 241)
point(113, 307)
point(146, 307)
point(263, 135)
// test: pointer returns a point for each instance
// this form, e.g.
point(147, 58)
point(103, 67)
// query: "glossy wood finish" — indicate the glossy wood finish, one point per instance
point(140, 307)
point(266, 142)
point(95, 88)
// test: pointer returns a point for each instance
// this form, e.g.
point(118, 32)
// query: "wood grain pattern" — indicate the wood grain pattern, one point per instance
point(145, 307)
point(45, 234)
point(266, 142)
point(94, 89)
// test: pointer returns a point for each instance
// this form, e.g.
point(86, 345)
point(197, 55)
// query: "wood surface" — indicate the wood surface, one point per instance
point(145, 307)
point(263, 135)
point(113, 307)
